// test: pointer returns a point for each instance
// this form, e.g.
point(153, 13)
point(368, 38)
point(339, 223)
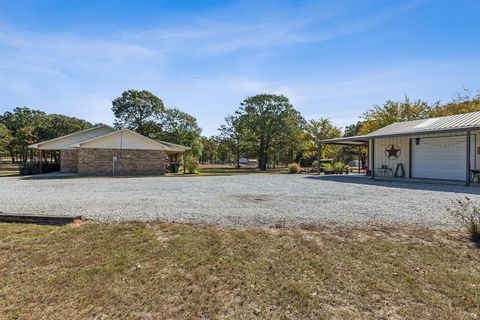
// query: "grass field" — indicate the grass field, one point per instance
point(144, 271)
point(219, 169)
point(9, 173)
point(8, 169)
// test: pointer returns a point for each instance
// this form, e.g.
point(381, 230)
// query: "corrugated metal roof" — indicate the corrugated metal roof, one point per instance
point(441, 124)
point(459, 122)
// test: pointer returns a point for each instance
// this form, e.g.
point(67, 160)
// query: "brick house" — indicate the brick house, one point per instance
point(102, 150)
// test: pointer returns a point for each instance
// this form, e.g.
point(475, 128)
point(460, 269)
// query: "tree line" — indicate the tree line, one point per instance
point(268, 128)
point(23, 126)
point(265, 127)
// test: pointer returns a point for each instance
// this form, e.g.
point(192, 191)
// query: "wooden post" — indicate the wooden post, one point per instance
point(359, 159)
point(319, 156)
point(184, 162)
point(40, 160)
point(467, 177)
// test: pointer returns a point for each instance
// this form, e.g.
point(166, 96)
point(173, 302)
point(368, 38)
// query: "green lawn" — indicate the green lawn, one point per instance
point(9, 173)
point(139, 270)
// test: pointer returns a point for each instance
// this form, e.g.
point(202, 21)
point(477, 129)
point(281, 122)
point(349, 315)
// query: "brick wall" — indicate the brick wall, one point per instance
point(129, 162)
point(69, 161)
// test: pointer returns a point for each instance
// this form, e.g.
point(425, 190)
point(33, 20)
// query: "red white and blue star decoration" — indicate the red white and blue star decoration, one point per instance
point(392, 151)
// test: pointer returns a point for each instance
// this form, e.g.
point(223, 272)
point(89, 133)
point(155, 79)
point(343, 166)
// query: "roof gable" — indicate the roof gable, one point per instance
point(122, 139)
point(65, 142)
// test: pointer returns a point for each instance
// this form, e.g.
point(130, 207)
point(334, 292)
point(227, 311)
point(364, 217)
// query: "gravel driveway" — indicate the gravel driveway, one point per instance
point(242, 200)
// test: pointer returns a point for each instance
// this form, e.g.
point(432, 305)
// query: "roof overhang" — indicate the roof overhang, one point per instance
point(174, 148)
point(422, 132)
point(363, 140)
point(349, 141)
point(39, 145)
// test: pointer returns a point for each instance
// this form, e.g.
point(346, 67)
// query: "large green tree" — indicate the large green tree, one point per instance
point(232, 132)
point(265, 117)
point(57, 125)
point(5, 138)
point(25, 125)
point(394, 111)
point(181, 128)
point(463, 103)
point(320, 130)
point(406, 110)
point(138, 111)
point(348, 153)
point(209, 153)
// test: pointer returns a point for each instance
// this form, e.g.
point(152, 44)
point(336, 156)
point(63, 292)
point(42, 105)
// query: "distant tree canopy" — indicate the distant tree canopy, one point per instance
point(461, 104)
point(268, 122)
point(145, 113)
point(395, 111)
point(181, 128)
point(231, 136)
point(137, 110)
point(5, 138)
point(353, 129)
point(25, 126)
point(268, 127)
point(320, 130)
point(265, 126)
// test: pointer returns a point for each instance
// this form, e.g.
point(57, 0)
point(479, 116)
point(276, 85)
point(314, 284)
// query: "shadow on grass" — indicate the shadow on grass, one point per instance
point(9, 175)
point(475, 240)
point(37, 219)
point(404, 184)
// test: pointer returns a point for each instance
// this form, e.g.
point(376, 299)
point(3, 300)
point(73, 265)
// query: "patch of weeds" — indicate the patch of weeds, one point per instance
point(467, 213)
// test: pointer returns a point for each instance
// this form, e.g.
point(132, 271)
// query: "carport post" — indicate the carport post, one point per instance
point(39, 152)
point(359, 158)
point(467, 177)
point(319, 156)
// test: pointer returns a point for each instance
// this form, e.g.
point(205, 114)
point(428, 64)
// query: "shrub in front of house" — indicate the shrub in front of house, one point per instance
point(467, 213)
point(294, 168)
point(31, 168)
point(340, 167)
point(191, 165)
point(328, 168)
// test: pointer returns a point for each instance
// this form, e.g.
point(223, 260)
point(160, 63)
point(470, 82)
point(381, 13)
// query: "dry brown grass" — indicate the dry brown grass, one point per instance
point(168, 271)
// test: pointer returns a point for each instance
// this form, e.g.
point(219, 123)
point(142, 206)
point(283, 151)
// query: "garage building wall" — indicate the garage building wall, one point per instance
point(404, 144)
point(381, 159)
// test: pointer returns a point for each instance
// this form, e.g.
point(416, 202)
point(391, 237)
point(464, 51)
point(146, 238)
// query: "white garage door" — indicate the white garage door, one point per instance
point(441, 158)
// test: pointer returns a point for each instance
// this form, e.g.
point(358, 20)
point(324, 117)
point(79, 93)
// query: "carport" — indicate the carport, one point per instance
point(354, 142)
point(441, 149)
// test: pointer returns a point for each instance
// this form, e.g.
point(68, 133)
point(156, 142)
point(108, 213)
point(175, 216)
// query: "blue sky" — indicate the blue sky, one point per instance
point(333, 59)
